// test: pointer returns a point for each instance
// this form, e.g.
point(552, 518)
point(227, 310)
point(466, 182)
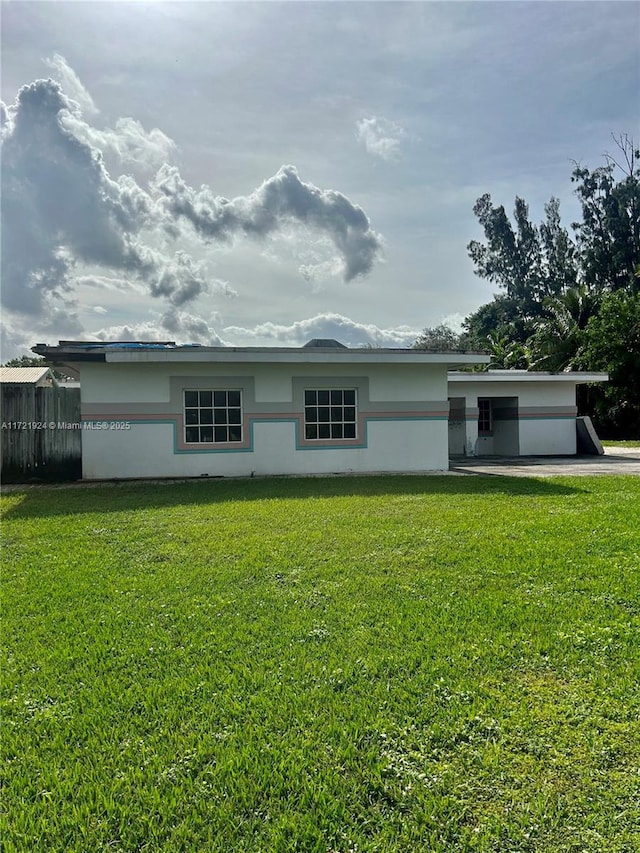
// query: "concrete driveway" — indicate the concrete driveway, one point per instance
point(616, 460)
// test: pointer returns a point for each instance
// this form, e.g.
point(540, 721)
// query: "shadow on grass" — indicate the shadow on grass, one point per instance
point(126, 496)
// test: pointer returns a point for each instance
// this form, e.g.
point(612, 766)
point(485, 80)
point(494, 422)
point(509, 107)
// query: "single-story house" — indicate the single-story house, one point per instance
point(157, 409)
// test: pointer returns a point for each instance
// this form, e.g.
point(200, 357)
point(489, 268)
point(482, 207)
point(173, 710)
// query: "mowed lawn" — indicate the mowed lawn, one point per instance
point(388, 664)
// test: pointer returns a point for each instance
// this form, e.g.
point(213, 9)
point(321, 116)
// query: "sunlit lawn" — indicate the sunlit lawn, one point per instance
point(351, 664)
point(608, 443)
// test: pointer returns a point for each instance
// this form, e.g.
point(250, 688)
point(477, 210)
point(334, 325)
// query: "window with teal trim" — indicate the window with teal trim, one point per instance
point(330, 414)
point(212, 417)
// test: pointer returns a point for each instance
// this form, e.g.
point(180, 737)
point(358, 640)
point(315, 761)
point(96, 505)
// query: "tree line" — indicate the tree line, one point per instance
point(565, 300)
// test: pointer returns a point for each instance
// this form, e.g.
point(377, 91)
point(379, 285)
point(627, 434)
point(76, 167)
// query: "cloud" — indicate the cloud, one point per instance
point(454, 321)
point(68, 222)
point(6, 120)
point(61, 207)
point(129, 142)
point(380, 137)
point(178, 326)
point(327, 325)
point(281, 200)
point(70, 82)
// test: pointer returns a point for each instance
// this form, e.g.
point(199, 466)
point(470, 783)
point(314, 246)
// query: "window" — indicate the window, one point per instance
point(485, 417)
point(212, 416)
point(330, 414)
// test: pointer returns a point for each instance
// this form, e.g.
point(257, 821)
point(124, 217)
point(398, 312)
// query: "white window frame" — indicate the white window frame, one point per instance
point(329, 413)
point(217, 422)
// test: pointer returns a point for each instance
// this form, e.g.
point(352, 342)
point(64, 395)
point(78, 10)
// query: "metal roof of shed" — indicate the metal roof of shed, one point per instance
point(24, 375)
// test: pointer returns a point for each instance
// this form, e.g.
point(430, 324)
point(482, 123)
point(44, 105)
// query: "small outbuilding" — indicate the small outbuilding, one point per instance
point(40, 426)
point(514, 412)
point(36, 377)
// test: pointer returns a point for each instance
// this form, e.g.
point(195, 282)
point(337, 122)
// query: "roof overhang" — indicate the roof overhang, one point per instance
point(77, 353)
point(528, 376)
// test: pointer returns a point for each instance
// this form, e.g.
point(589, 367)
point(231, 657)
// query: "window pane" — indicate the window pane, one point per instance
point(205, 398)
point(336, 430)
point(323, 414)
point(220, 433)
point(192, 434)
point(349, 413)
point(324, 431)
point(206, 416)
point(310, 398)
point(234, 398)
point(349, 430)
point(235, 433)
point(235, 416)
point(219, 398)
point(311, 431)
point(206, 433)
point(336, 413)
point(350, 398)
point(220, 416)
point(311, 413)
point(191, 398)
point(323, 398)
point(336, 398)
point(191, 416)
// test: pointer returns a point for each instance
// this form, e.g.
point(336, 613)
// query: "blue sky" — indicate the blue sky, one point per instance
point(395, 116)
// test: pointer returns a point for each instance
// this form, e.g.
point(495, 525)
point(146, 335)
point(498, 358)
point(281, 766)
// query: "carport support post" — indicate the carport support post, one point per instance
point(471, 430)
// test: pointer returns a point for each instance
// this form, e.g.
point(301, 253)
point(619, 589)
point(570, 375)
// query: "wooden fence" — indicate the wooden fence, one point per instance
point(41, 434)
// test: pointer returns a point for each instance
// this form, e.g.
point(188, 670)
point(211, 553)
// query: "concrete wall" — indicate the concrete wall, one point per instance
point(531, 418)
point(133, 419)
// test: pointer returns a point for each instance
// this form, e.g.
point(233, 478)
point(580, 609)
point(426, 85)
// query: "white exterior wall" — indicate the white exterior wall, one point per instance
point(407, 429)
point(548, 438)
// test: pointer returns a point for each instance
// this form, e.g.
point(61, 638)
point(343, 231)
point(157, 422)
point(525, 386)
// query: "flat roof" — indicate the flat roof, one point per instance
point(78, 352)
point(577, 376)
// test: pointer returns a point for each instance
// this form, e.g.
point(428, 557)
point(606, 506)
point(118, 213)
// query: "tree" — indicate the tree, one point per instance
point(529, 263)
point(613, 345)
point(608, 238)
point(560, 256)
point(500, 318)
point(560, 339)
point(440, 338)
point(507, 354)
point(27, 361)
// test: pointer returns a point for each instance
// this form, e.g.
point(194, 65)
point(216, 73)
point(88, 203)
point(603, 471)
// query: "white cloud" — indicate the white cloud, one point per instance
point(176, 326)
point(281, 200)
point(381, 137)
point(327, 325)
point(454, 321)
point(129, 142)
point(70, 82)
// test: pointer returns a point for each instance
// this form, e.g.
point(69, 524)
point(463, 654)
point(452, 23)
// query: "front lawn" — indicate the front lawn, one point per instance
point(389, 664)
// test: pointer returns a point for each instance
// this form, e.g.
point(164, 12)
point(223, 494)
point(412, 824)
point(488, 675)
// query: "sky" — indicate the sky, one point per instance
point(259, 174)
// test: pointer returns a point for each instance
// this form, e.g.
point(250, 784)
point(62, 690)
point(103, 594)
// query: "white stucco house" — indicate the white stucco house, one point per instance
point(161, 410)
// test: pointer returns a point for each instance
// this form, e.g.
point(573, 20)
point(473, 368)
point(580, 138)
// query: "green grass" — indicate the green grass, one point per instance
point(608, 443)
point(387, 664)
